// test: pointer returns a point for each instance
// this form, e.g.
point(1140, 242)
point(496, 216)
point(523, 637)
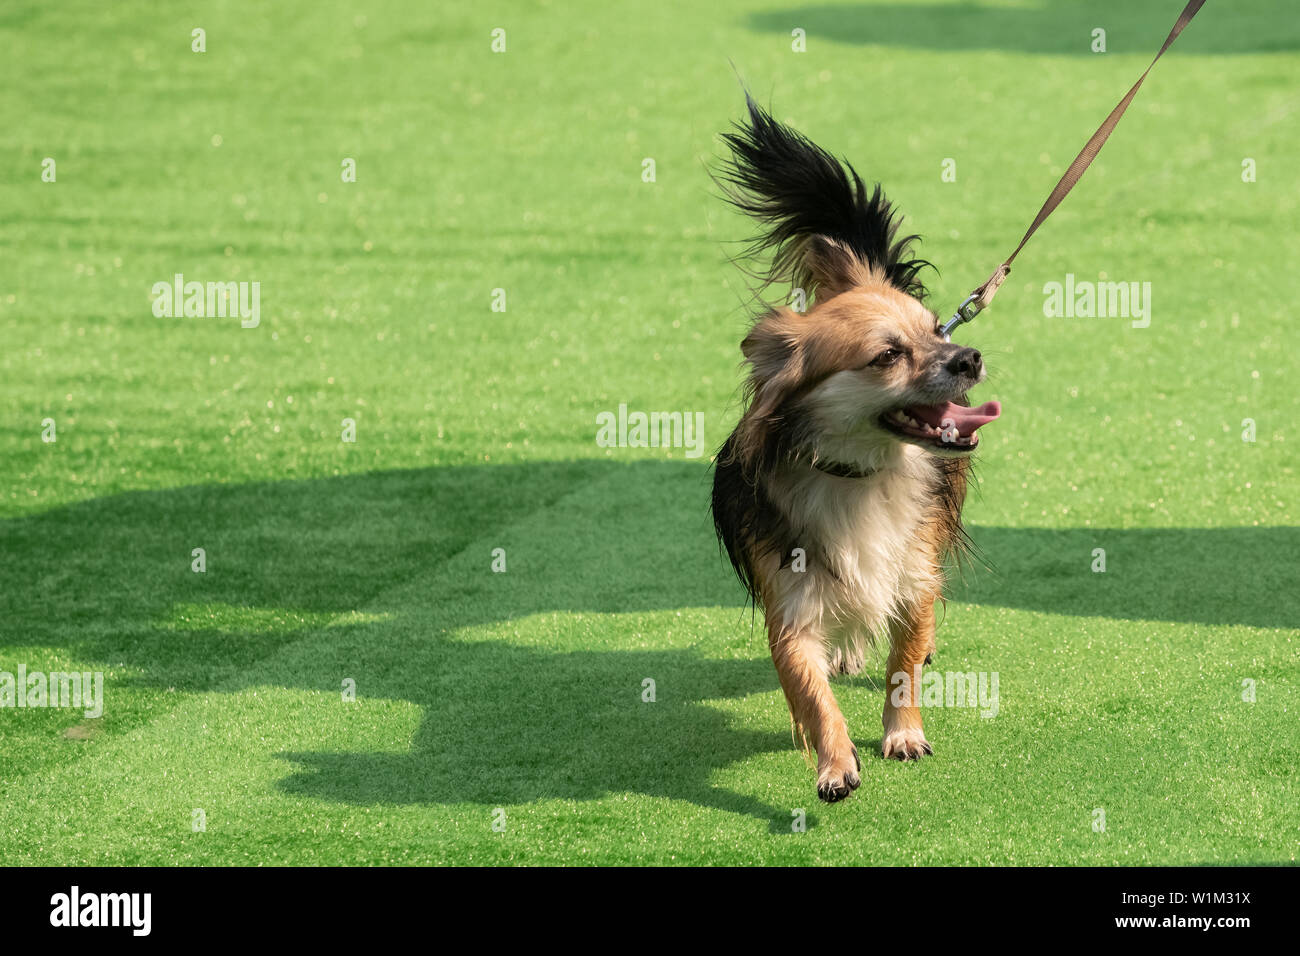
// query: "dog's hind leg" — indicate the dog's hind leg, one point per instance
point(801, 666)
point(912, 641)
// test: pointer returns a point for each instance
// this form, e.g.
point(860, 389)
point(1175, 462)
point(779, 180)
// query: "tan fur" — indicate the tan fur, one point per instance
point(838, 496)
point(874, 545)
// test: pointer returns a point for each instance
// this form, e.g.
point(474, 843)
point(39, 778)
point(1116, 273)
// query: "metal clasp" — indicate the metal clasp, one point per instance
point(965, 312)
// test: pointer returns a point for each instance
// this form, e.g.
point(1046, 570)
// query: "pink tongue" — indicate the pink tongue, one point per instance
point(966, 419)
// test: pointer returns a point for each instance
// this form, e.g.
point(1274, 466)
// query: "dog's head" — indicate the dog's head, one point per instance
point(866, 367)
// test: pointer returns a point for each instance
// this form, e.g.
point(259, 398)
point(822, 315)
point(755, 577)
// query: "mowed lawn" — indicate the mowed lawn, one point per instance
point(499, 717)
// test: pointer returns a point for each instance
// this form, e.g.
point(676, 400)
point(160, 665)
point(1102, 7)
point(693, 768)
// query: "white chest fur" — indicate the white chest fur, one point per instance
point(866, 558)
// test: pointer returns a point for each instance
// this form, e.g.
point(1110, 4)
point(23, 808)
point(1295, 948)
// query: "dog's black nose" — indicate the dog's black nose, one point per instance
point(966, 362)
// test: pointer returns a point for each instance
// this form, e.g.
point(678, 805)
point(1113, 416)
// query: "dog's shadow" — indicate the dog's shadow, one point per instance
point(507, 724)
point(505, 717)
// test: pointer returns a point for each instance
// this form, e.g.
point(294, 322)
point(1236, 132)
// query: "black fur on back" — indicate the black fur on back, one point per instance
point(743, 517)
point(798, 190)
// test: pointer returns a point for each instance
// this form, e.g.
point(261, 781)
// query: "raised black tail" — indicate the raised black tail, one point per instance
point(797, 191)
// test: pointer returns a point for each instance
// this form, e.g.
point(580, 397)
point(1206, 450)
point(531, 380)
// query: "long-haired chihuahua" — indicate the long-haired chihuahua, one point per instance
point(838, 496)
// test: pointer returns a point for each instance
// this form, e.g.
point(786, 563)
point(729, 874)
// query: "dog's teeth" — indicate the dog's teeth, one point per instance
point(901, 417)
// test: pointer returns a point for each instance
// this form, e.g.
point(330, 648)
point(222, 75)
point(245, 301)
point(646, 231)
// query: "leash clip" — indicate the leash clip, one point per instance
point(965, 312)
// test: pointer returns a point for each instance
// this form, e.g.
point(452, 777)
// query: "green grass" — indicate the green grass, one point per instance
point(371, 561)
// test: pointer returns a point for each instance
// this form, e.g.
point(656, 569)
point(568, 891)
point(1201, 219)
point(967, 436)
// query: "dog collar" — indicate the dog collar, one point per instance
point(840, 470)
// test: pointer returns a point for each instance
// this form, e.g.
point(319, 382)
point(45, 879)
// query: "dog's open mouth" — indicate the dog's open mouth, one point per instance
point(946, 425)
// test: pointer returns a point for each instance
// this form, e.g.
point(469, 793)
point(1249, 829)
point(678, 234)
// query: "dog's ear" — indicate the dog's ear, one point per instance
point(823, 230)
point(775, 359)
point(832, 267)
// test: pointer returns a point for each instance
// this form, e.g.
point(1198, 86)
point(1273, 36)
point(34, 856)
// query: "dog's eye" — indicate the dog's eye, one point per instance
point(886, 358)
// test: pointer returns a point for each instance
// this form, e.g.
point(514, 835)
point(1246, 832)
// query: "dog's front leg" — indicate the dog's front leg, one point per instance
point(801, 666)
point(912, 640)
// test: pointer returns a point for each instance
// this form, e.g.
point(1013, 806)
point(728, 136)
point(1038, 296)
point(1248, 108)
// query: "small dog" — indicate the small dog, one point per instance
point(838, 496)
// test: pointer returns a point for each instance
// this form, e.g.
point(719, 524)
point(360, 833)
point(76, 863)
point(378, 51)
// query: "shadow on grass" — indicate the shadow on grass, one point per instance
point(1059, 27)
point(506, 724)
point(505, 721)
point(111, 580)
point(1217, 576)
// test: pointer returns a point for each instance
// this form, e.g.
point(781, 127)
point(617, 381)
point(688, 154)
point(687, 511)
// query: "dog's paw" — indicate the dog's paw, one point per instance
point(905, 743)
point(838, 778)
